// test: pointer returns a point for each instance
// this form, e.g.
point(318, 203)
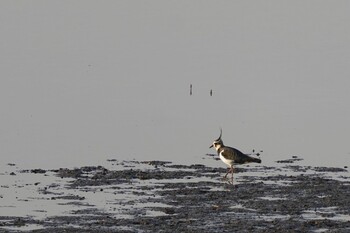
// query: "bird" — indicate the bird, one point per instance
point(231, 156)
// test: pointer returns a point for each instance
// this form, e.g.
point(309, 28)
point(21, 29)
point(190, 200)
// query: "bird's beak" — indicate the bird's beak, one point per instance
point(211, 146)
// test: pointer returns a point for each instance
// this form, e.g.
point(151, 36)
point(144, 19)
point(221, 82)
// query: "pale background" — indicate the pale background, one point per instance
point(85, 81)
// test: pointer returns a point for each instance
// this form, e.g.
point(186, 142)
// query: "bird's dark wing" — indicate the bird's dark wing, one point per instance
point(228, 153)
point(239, 157)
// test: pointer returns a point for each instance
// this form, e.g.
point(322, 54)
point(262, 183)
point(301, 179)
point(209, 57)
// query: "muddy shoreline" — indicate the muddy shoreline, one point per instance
point(166, 197)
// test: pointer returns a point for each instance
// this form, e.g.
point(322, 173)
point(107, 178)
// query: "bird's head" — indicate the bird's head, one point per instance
point(218, 142)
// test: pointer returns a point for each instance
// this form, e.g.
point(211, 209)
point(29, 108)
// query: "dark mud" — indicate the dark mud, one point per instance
point(288, 198)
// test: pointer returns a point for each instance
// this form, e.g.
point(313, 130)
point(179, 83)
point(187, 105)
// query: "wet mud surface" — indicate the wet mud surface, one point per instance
point(158, 196)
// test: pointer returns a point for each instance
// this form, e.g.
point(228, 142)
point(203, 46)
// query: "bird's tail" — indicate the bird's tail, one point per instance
point(255, 160)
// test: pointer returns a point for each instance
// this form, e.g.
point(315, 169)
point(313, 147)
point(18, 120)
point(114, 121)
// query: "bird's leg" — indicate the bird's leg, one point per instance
point(232, 169)
point(229, 170)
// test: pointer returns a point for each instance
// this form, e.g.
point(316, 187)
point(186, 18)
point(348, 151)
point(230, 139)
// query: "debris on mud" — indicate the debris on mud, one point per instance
point(292, 160)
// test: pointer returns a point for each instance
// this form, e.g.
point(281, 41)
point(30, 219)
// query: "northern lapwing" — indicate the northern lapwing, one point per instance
point(231, 156)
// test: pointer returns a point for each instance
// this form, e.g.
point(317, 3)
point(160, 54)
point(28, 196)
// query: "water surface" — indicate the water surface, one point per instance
point(81, 83)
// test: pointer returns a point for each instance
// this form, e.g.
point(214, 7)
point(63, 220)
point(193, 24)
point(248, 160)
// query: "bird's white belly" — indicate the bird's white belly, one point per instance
point(227, 161)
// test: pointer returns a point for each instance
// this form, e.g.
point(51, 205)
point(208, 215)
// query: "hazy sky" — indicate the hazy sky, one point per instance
point(86, 79)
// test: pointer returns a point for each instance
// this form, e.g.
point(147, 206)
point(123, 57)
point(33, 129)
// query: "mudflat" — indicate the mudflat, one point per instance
point(159, 196)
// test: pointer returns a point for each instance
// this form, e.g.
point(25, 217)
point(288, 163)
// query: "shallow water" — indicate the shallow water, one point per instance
point(118, 85)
